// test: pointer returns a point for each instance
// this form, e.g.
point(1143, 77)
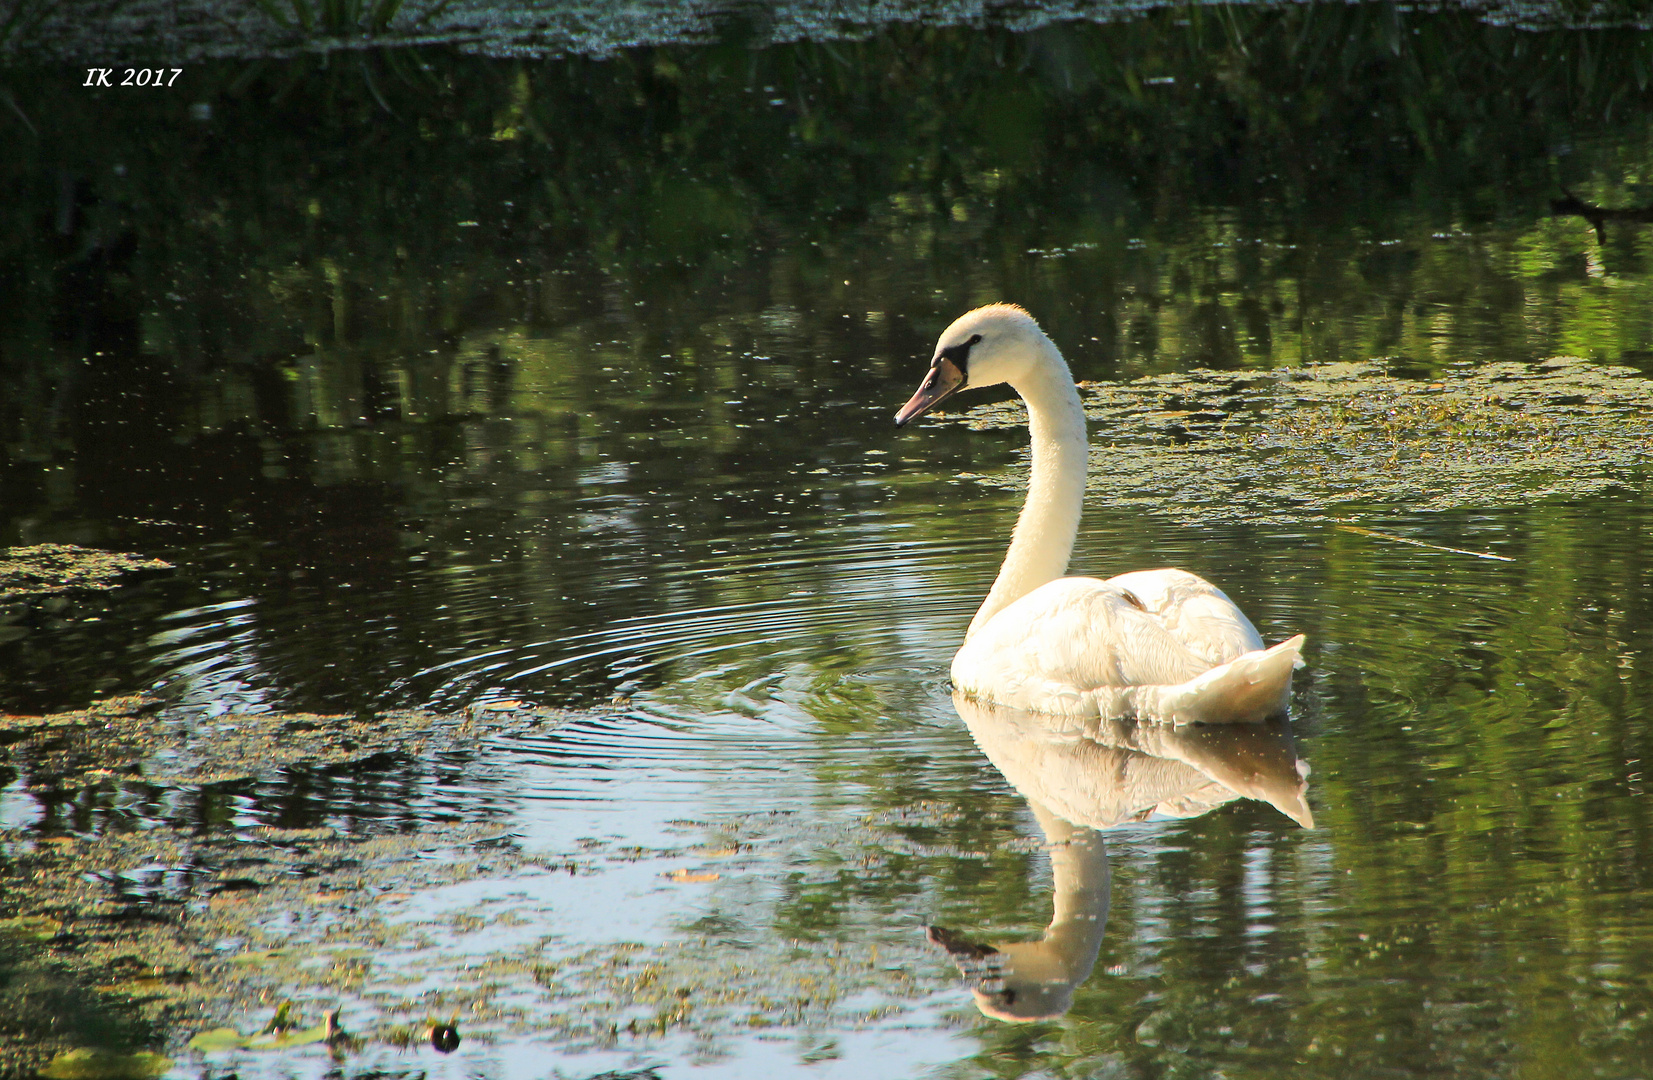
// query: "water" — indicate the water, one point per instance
point(554, 398)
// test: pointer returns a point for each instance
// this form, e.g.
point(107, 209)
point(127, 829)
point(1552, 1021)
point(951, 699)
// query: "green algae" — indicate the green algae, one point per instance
point(31, 928)
point(322, 925)
point(135, 738)
point(1327, 442)
point(198, 933)
point(49, 569)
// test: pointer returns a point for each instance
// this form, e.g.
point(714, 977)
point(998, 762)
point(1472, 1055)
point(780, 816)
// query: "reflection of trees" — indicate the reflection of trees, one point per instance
point(1231, 140)
point(289, 323)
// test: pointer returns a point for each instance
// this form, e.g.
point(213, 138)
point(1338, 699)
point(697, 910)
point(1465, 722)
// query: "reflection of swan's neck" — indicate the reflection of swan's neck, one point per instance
point(1067, 952)
point(1039, 977)
point(1080, 878)
point(1049, 521)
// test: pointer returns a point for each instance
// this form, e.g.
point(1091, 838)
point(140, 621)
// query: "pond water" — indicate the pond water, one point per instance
point(523, 425)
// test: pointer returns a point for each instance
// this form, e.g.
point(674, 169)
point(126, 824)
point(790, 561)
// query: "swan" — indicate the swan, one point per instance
point(1153, 644)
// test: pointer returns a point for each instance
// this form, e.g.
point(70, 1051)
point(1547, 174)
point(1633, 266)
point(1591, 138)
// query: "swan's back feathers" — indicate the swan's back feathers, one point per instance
point(1068, 637)
point(1195, 612)
point(1249, 688)
point(1083, 647)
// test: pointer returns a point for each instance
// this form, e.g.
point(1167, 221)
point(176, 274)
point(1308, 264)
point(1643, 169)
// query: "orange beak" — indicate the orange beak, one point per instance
point(943, 379)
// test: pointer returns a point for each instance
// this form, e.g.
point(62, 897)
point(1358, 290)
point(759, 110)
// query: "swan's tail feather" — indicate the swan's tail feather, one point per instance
point(1247, 689)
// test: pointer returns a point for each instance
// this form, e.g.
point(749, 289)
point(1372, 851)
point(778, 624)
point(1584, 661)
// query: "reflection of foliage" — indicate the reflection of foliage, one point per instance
point(291, 327)
point(19, 18)
point(1197, 137)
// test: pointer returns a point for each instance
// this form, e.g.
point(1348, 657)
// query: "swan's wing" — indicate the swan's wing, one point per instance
point(1067, 639)
point(1194, 611)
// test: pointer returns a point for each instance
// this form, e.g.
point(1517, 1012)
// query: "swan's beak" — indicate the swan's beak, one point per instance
point(943, 379)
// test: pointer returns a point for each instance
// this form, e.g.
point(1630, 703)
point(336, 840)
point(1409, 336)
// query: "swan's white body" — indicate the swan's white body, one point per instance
point(1160, 644)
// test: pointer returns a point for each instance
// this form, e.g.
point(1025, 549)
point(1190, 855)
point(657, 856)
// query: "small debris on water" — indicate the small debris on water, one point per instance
point(444, 1038)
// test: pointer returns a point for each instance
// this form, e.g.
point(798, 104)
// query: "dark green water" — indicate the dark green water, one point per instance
point(447, 381)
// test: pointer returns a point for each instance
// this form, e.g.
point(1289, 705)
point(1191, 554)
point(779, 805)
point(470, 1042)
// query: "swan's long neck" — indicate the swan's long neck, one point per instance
point(1049, 522)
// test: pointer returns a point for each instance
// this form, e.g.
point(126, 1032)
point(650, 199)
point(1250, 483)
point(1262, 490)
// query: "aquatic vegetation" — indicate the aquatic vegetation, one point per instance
point(47, 569)
point(90, 1064)
point(281, 1033)
point(338, 920)
point(1331, 441)
point(601, 27)
point(136, 737)
point(31, 927)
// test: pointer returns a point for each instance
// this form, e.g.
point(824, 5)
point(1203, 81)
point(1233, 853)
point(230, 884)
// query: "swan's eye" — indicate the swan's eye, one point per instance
point(974, 338)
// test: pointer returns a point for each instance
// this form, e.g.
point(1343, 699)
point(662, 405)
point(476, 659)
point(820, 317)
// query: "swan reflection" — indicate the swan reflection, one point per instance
point(1088, 776)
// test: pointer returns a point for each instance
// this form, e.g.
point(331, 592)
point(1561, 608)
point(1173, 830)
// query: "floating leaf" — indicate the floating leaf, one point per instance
point(86, 1064)
point(281, 1040)
point(690, 877)
point(217, 1039)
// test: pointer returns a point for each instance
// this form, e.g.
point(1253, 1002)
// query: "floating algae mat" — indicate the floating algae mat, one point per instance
point(45, 569)
point(410, 934)
point(135, 738)
point(1316, 443)
point(199, 922)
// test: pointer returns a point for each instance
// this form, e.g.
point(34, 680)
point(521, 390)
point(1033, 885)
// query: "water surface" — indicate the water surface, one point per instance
point(493, 387)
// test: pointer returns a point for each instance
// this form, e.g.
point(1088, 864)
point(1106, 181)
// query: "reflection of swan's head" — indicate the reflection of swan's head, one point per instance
point(1015, 981)
point(1035, 980)
point(995, 344)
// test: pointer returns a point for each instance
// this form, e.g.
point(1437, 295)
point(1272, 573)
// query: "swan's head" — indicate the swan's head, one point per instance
point(990, 345)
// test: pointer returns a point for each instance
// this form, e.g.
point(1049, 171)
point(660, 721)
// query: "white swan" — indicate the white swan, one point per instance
point(1159, 644)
